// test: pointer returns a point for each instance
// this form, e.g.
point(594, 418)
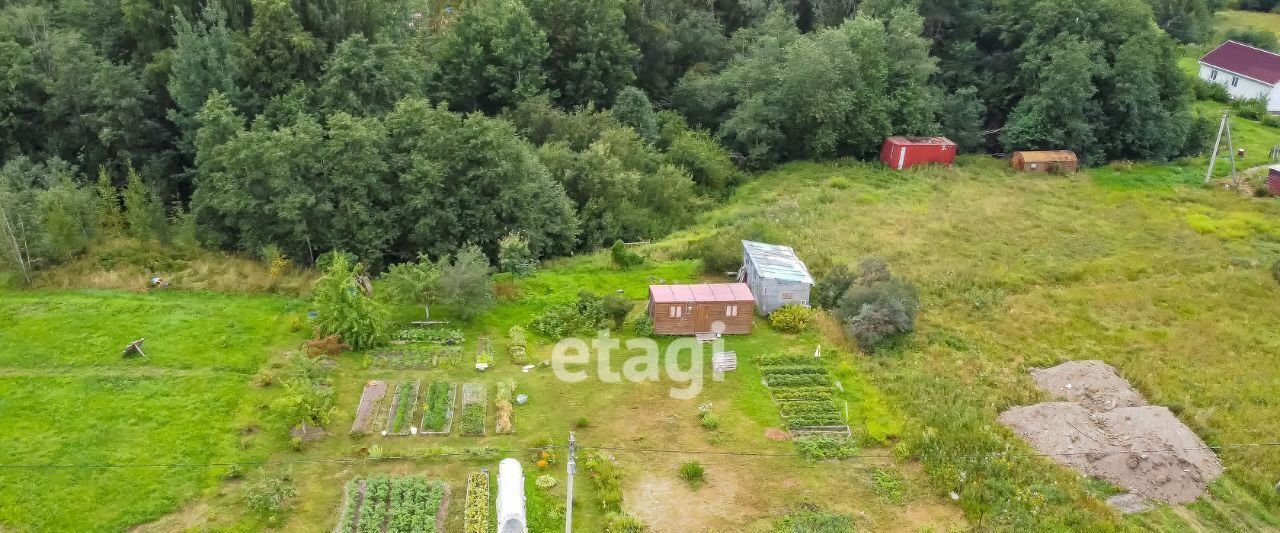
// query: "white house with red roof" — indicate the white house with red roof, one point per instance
point(1246, 72)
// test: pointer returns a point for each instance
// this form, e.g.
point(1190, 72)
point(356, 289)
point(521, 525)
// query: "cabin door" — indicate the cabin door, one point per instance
point(701, 319)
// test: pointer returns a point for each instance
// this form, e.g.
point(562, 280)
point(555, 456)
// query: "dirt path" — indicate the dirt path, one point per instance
point(140, 371)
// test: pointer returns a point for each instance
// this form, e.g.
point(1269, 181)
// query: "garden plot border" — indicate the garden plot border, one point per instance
point(448, 415)
point(395, 407)
point(369, 406)
point(474, 393)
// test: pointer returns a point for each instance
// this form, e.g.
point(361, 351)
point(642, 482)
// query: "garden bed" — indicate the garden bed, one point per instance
point(437, 409)
point(804, 393)
point(504, 408)
point(474, 410)
point(416, 356)
point(391, 504)
point(477, 514)
point(484, 353)
point(404, 404)
point(370, 403)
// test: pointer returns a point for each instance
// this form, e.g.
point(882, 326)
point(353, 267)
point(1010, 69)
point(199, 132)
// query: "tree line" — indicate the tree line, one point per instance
point(393, 128)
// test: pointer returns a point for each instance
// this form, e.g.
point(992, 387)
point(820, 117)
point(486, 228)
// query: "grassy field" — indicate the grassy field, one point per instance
point(1165, 280)
point(1233, 19)
point(67, 397)
point(1135, 264)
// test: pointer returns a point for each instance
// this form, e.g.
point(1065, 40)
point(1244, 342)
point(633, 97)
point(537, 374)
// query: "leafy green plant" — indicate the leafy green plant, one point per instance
point(623, 258)
point(546, 481)
point(643, 325)
point(406, 403)
point(623, 523)
point(519, 346)
point(607, 478)
point(587, 314)
point(473, 416)
point(582, 422)
point(818, 447)
point(270, 492)
point(436, 407)
point(708, 419)
point(476, 514)
point(791, 318)
point(693, 473)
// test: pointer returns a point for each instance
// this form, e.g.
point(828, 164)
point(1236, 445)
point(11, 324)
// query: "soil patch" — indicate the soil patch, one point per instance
point(1143, 448)
point(1093, 384)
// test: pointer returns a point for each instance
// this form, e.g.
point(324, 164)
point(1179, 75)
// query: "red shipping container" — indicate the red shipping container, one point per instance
point(906, 152)
point(1273, 179)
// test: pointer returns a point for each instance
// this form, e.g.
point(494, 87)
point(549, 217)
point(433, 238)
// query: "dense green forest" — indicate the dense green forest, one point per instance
point(393, 128)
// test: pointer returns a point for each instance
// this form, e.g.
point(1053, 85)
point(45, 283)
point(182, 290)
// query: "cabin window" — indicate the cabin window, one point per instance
point(1213, 75)
point(677, 311)
point(1235, 80)
point(730, 310)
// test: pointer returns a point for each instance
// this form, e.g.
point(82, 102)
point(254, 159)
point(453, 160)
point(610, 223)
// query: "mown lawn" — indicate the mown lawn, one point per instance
point(68, 398)
point(1137, 266)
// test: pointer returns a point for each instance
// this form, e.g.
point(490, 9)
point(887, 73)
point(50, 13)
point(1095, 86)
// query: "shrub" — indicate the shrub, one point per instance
point(692, 472)
point(719, 254)
point(829, 289)
point(270, 493)
point(623, 523)
point(1207, 90)
point(616, 307)
point(607, 478)
point(643, 326)
point(709, 420)
point(582, 422)
point(345, 310)
point(1250, 108)
point(623, 258)
point(546, 481)
point(873, 313)
point(588, 313)
point(791, 318)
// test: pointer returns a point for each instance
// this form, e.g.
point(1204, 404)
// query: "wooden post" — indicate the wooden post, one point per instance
point(1231, 147)
point(17, 250)
point(572, 467)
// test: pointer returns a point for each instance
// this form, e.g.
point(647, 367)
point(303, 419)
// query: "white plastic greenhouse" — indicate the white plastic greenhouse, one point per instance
point(511, 518)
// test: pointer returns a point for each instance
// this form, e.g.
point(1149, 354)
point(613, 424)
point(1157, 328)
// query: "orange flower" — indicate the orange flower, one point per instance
point(542, 463)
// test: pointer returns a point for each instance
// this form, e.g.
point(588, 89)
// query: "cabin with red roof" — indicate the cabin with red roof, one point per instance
point(703, 308)
point(1246, 72)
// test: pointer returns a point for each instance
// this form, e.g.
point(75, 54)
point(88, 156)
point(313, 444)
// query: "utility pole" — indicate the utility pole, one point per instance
point(1224, 125)
point(572, 468)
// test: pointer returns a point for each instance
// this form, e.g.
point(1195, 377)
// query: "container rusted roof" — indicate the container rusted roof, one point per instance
point(1045, 156)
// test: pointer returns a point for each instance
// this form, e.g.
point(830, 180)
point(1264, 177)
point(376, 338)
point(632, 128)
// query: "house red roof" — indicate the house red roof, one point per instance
point(1240, 58)
point(707, 292)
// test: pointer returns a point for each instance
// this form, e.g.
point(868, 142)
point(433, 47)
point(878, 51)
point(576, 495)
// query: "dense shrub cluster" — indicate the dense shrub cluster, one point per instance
point(872, 305)
point(791, 318)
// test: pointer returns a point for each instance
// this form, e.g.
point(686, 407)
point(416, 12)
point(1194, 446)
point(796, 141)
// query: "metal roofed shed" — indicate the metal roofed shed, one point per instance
point(1045, 161)
point(705, 308)
point(775, 274)
point(510, 502)
point(905, 152)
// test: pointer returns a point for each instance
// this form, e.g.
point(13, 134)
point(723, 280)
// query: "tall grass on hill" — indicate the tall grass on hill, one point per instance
point(1141, 267)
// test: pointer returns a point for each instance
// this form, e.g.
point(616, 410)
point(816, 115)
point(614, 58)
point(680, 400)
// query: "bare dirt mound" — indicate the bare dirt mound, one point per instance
point(1107, 431)
point(1093, 384)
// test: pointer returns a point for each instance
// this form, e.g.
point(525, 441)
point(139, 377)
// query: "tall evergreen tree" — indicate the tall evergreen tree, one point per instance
point(204, 59)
